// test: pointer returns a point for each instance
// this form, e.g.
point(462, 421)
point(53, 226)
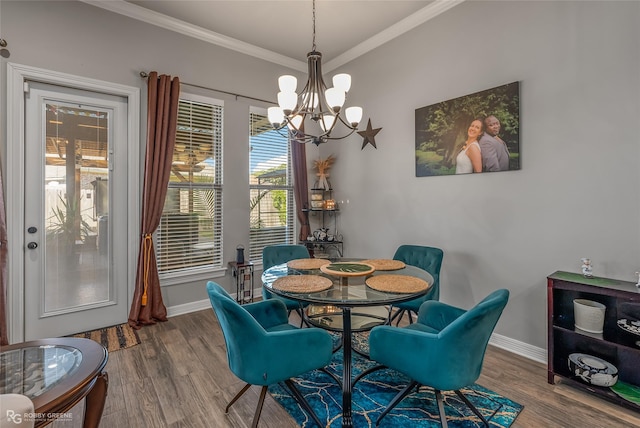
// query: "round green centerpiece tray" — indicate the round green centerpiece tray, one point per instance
point(347, 269)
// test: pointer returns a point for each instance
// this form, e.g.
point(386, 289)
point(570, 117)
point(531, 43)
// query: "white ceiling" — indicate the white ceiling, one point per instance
point(280, 31)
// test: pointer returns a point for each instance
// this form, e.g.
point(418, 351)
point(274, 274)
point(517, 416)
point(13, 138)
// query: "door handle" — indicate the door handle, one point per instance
point(32, 245)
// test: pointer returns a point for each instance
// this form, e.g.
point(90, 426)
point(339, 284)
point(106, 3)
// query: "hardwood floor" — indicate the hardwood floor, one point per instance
point(179, 377)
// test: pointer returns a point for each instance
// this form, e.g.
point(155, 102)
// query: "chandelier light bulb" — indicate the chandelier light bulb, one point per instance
point(335, 98)
point(354, 115)
point(327, 122)
point(288, 83)
point(342, 81)
point(275, 115)
point(287, 101)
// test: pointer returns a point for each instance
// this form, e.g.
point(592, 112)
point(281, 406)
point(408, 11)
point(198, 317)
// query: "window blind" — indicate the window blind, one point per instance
point(271, 187)
point(190, 233)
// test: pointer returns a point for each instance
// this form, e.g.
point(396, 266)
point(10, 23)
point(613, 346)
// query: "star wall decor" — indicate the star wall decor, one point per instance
point(369, 135)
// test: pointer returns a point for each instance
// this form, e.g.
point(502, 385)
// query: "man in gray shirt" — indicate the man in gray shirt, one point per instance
point(495, 155)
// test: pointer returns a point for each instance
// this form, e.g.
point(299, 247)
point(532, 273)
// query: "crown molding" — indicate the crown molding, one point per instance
point(158, 19)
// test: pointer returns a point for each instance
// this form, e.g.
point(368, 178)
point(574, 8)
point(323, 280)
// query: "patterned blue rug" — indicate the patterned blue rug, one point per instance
point(372, 394)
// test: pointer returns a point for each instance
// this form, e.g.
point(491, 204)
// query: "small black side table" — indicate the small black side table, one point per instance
point(243, 274)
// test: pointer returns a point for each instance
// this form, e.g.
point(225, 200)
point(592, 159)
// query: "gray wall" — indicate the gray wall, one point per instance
point(80, 39)
point(575, 196)
point(578, 64)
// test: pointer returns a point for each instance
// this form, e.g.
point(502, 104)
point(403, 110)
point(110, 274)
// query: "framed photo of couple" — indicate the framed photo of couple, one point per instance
point(474, 133)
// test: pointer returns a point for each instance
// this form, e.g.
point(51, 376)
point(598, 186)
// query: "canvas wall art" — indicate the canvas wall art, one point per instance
point(475, 133)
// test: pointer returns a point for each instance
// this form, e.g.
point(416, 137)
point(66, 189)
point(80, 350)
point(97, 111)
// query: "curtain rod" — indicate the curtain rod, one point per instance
point(144, 75)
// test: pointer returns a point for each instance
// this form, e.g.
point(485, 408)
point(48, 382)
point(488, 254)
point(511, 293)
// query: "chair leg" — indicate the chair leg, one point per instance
point(397, 316)
point(410, 317)
point(256, 417)
point(300, 312)
point(472, 407)
point(303, 402)
point(238, 395)
point(398, 398)
point(443, 415)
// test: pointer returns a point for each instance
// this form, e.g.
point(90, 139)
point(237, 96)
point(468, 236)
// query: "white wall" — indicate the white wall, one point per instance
point(577, 194)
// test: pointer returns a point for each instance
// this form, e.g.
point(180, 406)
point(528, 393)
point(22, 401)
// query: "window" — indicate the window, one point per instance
point(189, 237)
point(271, 187)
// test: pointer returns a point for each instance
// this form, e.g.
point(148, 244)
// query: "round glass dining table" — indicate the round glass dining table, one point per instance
point(348, 295)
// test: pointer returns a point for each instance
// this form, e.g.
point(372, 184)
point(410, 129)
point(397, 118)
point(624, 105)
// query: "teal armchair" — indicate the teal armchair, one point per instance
point(264, 349)
point(444, 349)
point(426, 258)
point(277, 254)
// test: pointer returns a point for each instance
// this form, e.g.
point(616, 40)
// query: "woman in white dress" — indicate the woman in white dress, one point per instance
point(470, 159)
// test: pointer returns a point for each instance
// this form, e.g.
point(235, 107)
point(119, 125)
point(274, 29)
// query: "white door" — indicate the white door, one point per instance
point(75, 213)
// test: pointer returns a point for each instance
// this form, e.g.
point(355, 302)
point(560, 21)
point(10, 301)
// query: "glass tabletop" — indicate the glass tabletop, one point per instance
point(355, 293)
point(33, 370)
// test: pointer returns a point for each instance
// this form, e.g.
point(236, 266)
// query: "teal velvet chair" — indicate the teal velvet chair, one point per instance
point(277, 254)
point(264, 349)
point(426, 258)
point(447, 347)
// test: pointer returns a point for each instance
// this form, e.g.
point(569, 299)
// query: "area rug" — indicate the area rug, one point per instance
point(372, 394)
point(113, 338)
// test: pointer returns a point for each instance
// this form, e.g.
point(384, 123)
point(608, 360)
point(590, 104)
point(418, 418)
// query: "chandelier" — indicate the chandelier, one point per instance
point(312, 115)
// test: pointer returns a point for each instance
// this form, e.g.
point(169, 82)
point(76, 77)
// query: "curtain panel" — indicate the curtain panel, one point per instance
point(162, 116)
point(4, 338)
point(300, 186)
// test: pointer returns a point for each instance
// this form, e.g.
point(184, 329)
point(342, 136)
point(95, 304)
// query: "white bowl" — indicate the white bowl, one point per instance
point(589, 315)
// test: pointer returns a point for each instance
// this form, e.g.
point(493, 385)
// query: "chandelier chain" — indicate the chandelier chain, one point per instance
point(314, 26)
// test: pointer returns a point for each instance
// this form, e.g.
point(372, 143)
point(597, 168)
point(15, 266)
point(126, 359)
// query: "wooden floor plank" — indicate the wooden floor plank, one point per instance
point(179, 377)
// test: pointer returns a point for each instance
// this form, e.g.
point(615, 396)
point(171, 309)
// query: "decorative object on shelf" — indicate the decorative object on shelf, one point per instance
point(322, 167)
point(369, 135)
point(627, 392)
point(240, 254)
point(311, 116)
point(317, 196)
point(587, 269)
point(330, 204)
point(593, 370)
point(321, 234)
point(589, 315)
point(629, 313)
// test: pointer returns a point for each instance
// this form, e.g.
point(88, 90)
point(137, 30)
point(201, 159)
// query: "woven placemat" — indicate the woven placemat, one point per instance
point(385, 264)
point(302, 283)
point(307, 264)
point(397, 283)
point(347, 269)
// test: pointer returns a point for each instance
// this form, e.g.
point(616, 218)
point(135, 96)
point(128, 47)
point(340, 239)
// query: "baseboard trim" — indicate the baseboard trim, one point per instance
point(196, 306)
point(517, 347)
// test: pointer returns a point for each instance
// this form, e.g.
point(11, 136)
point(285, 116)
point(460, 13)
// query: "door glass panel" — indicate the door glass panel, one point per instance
point(76, 203)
